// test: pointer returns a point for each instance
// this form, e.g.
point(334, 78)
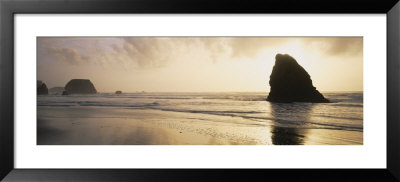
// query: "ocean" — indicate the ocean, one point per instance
point(198, 119)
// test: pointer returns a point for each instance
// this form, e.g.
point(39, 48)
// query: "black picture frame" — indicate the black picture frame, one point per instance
point(9, 8)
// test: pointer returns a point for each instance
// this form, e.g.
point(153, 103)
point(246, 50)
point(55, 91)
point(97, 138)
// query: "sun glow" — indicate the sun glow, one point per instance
point(294, 48)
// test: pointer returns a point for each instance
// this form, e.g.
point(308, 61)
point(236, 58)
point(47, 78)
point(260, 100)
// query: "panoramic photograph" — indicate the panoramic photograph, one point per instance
point(199, 90)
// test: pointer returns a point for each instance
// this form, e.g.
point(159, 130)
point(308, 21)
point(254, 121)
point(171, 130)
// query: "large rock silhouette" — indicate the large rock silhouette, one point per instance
point(80, 86)
point(41, 88)
point(290, 82)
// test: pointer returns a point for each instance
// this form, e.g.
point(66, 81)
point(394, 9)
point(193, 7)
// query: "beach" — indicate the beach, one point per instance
point(197, 119)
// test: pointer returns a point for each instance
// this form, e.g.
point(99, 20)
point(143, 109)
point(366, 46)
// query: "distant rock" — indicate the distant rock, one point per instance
point(41, 88)
point(290, 82)
point(56, 90)
point(39, 83)
point(65, 93)
point(80, 86)
point(118, 92)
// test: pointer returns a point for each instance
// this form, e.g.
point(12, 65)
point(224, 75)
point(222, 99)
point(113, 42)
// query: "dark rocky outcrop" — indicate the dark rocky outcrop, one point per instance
point(65, 93)
point(118, 92)
point(80, 86)
point(56, 90)
point(41, 88)
point(290, 82)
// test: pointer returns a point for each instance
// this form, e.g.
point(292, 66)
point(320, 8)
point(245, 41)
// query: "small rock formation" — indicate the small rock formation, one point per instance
point(80, 86)
point(41, 88)
point(56, 90)
point(118, 92)
point(65, 93)
point(290, 82)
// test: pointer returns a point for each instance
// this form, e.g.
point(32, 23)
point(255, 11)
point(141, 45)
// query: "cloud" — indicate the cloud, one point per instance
point(155, 52)
point(160, 51)
point(148, 52)
point(67, 55)
point(336, 46)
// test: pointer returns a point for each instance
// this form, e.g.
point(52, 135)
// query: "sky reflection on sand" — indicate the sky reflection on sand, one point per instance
point(92, 125)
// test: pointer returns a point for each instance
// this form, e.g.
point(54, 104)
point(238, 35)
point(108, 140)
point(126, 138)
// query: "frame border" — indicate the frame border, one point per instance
point(8, 8)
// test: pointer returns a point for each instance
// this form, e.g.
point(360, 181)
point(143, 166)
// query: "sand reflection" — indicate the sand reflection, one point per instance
point(293, 115)
point(100, 132)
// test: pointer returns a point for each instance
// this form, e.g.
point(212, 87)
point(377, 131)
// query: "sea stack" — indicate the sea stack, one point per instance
point(80, 86)
point(290, 82)
point(118, 92)
point(41, 88)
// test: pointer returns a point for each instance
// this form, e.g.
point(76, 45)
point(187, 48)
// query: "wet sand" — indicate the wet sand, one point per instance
point(124, 126)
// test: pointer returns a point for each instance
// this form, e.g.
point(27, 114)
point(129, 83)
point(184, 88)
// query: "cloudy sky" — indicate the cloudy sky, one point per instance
point(196, 64)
